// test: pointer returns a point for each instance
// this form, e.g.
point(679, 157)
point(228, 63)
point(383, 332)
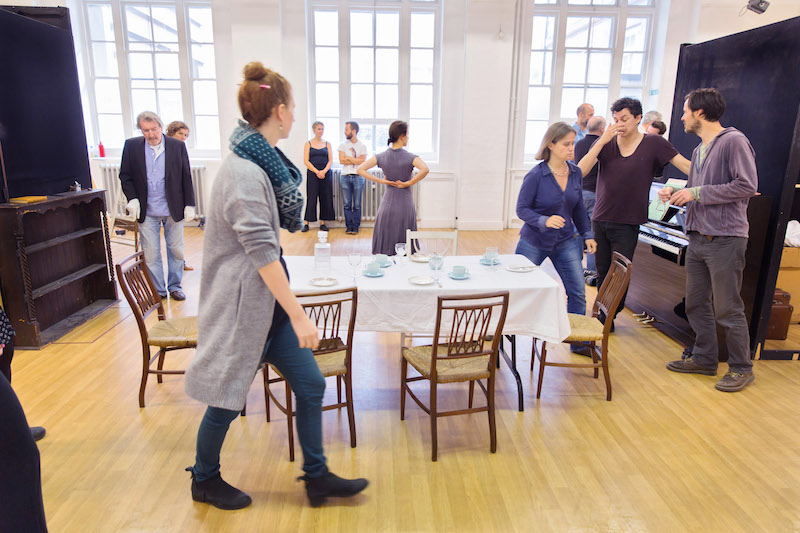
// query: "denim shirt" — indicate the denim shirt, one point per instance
point(156, 189)
point(541, 197)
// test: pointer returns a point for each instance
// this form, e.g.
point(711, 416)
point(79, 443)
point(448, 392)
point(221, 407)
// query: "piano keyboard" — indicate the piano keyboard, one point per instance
point(671, 241)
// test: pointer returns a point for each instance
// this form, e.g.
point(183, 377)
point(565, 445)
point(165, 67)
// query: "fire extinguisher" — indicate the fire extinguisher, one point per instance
point(101, 150)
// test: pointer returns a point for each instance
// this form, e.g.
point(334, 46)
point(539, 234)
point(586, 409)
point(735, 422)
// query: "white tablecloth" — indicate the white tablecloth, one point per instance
point(537, 302)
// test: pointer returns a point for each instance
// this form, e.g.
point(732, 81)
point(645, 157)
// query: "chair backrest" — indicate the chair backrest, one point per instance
point(469, 317)
point(139, 290)
point(613, 288)
point(326, 310)
point(413, 238)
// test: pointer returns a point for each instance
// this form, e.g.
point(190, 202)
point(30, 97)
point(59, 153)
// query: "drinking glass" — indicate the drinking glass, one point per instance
point(491, 254)
point(435, 261)
point(400, 250)
point(354, 260)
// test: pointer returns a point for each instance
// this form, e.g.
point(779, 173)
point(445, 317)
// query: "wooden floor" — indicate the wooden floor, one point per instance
point(669, 453)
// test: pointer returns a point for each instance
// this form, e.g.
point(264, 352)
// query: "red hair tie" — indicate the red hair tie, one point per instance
point(264, 86)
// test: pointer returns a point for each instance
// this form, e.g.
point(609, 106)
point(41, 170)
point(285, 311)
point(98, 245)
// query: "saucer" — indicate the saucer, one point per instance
point(486, 262)
point(422, 280)
point(377, 274)
point(323, 282)
point(451, 275)
point(386, 264)
point(521, 268)
point(420, 258)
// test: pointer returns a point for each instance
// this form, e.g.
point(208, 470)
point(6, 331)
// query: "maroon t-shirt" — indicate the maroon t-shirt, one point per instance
point(623, 183)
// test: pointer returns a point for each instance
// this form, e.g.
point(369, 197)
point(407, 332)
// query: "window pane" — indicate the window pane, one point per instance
point(140, 47)
point(420, 136)
point(104, 56)
point(601, 32)
point(165, 26)
point(541, 68)
point(386, 101)
point(598, 97)
point(543, 33)
point(577, 31)
point(203, 65)
point(599, 68)
point(106, 94)
point(111, 130)
point(604, 2)
point(170, 106)
point(167, 66)
point(575, 66)
point(166, 47)
point(140, 65)
point(205, 97)
point(361, 29)
point(421, 101)
point(635, 34)
point(168, 84)
point(362, 65)
point(327, 101)
point(422, 30)
point(327, 63)
point(386, 65)
point(206, 133)
point(101, 24)
point(143, 100)
point(631, 68)
point(387, 29)
point(326, 28)
point(545, 2)
point(571, 98)
point(534, 133)
point(580, 2)
point(143, 84)
point(421, 66)
point(363, 101)
point(201, 29)
point(639, 2)
point(138, 23)
point(539, 103)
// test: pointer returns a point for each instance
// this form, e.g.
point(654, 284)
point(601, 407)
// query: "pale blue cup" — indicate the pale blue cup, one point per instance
point(373, 267)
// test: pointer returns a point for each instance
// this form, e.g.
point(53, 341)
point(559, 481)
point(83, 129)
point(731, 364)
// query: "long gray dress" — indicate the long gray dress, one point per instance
point(396, 213)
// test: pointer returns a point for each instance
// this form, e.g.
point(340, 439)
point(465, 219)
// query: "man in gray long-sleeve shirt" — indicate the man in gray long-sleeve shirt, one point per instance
point(721, 181)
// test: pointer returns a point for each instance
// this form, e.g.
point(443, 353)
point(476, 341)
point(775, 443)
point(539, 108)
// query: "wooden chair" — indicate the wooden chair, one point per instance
point(413, 236)
point(334, 356)
point(589, 328)
point(166, 334)
point(462, 357)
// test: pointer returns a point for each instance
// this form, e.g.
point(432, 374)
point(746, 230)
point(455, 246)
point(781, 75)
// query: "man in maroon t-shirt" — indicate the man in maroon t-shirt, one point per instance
point(626, 162)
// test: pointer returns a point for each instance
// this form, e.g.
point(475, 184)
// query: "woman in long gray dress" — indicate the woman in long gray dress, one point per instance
point(396, 213)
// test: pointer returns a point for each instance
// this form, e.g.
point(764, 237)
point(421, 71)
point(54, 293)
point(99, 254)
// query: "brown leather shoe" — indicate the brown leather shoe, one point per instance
point(688, 366)
point(178, 295)
point(734, 381)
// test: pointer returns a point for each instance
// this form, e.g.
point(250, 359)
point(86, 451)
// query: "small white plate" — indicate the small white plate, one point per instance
point(464, 276)
point(323, 282)
point(421, 280)
point(420, 258)
point(521, 268)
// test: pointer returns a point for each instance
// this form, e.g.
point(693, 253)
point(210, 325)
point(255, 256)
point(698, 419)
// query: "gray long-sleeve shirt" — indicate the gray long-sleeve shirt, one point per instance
point(727, 179)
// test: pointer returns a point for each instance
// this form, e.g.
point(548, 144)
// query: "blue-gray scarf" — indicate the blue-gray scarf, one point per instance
point(248, 143)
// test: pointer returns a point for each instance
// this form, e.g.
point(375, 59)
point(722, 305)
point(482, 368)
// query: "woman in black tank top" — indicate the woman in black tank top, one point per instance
point(319, 185)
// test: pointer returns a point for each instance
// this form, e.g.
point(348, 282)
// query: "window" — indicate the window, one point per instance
point(154, 56)
point(374, 64)
point(577, 51)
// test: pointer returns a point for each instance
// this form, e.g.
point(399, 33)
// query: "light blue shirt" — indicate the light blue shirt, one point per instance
point(154, 157)
point(579, 133)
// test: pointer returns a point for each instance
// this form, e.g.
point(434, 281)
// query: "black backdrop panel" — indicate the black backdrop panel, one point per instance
point(41, 118)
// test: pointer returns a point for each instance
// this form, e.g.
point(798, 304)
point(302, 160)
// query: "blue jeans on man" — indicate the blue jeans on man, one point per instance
point(150, 234)
point(352, 185)
point(300, 368)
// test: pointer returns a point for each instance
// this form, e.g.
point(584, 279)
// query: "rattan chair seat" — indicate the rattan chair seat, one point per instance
point(584, 329)
point(448, 370)
point(175, 332)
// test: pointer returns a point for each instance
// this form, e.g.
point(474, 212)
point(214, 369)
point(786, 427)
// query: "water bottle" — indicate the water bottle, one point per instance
point(322, 253)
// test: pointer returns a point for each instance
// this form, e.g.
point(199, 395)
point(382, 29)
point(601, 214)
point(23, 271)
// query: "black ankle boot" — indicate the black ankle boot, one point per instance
point(218, 493)
point(318, 489)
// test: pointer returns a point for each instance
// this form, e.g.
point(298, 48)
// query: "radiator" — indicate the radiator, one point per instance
point(116, 201)
point(370, 196)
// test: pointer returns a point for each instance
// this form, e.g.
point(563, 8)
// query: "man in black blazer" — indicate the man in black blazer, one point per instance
point(157, 182)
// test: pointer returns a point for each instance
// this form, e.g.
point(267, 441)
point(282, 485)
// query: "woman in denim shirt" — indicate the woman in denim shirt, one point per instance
point(551, 205)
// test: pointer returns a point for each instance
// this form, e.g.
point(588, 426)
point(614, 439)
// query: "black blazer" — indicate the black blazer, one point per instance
point(178, 175)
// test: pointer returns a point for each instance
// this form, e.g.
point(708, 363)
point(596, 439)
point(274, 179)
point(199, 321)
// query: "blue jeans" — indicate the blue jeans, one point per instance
point(299, 367)
point(352, 185)
point(150, 233)
point(566, 257)
point(588, 201)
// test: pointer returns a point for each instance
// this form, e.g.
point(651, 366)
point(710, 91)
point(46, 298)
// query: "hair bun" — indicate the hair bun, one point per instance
point(255, 71)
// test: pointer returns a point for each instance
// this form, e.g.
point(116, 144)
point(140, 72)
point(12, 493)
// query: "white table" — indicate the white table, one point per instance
point(537, 301)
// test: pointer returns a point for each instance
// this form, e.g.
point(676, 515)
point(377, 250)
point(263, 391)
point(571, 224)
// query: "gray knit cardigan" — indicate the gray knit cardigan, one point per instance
point(241, 236)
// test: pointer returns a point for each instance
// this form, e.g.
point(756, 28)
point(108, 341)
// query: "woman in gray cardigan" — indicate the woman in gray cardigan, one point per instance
point(248, 315)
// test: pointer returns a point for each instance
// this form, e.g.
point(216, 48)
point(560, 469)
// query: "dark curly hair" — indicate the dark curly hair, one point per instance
point(631, 104)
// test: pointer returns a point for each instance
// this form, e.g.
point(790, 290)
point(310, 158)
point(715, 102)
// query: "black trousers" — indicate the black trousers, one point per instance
point(5, 360)
point(21, 506)
point(613, 237)
point(321, 190)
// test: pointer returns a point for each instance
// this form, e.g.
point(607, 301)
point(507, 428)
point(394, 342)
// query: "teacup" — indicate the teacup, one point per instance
point(373, 267)
point(459, 271)
point(382, 258)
